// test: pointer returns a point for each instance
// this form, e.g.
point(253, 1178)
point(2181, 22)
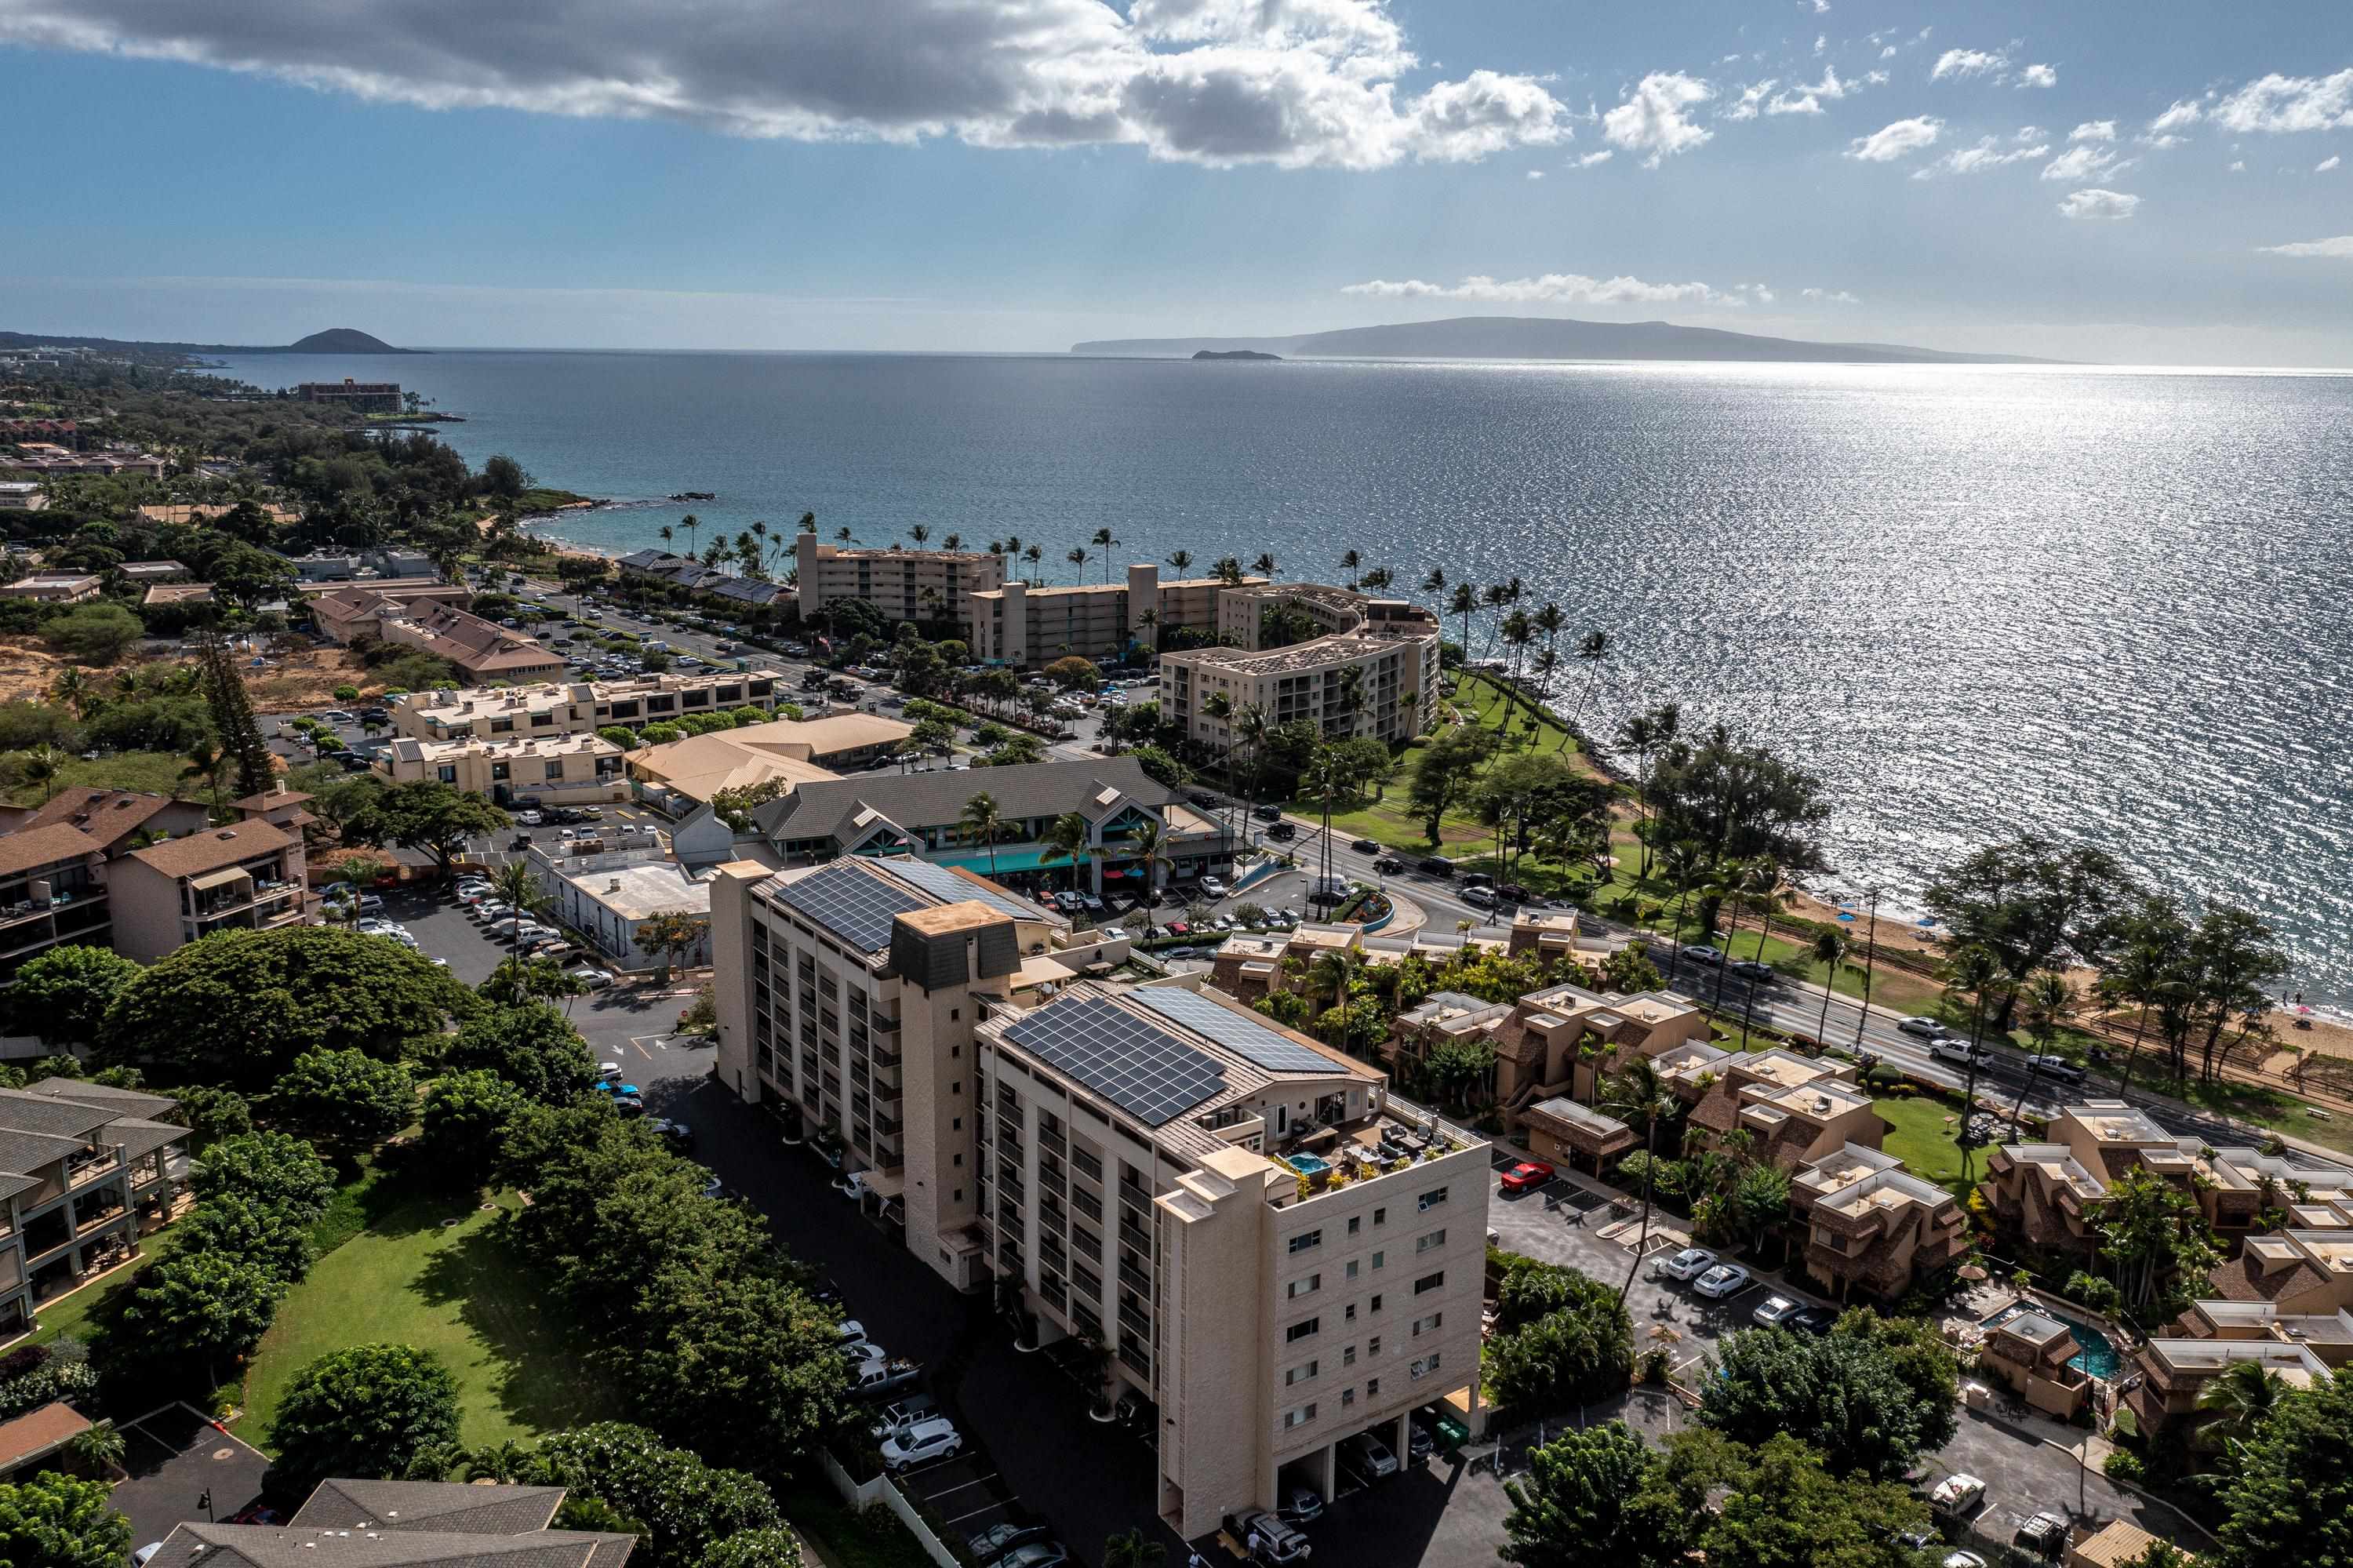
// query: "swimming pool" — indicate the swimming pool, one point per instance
point(2095, 1353)
point(1307, 1164)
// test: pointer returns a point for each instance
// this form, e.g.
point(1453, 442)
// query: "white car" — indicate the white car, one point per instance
point(374, 926)
point(1725, 1279)
point(594, 979)
point(1926, 1028)
point(1688, 1264)
point(1953, 1048)
point(1776, 1310)
point(1371, 1453)
point(1212, 888)
point(934, 1439)
point(1956, 1495)
point(608, 1072)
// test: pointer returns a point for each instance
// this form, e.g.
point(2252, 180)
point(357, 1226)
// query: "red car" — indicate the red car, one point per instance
point(1526, 1174)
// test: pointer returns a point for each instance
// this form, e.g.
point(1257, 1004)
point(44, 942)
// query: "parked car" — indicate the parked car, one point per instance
point(591, 977)
point(1688, 1264)
point(905, 1412)
point(1956, 1496)
point(937, 1438)
point(1776, 1310)
point(1212, 888)
point(1926, 1028)
point(1725, 1279)
point(1480, 897)
point(1953, 1048)
point(608, 1072)
point(1526, 1175)
point(1265, 1536)
point(999, 1539)
point(530, 819)
point(2059, 1068)
point(872, 1379)
point(1302, 1505)
point(1372, 1455)
point(1037, 1554)
point(1814, 1320)
point(677, 1134)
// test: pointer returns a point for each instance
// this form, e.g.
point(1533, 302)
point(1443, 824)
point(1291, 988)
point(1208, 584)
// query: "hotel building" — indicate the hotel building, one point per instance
point(904, 585)
point(580, 707)
point(1374, 671)
point(1029, 626)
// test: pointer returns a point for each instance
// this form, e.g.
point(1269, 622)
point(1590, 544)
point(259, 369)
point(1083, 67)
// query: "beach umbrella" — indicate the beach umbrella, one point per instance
point(1843, 915)
point(1972, 1273)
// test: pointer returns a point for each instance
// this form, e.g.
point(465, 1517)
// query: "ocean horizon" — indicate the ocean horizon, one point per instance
point(2103, 602)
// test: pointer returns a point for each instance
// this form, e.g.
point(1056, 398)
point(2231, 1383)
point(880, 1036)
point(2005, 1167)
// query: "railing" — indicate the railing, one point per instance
point(1139, 1241)
point(1086, 1165)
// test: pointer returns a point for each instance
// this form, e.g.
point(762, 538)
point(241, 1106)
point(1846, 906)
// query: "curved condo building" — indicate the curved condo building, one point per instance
point(1367, 673)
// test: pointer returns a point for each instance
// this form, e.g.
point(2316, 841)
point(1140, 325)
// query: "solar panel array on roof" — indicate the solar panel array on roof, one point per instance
point(956, 889)
point(1144, 1070)
point(1252, 1040)
point(851, 904)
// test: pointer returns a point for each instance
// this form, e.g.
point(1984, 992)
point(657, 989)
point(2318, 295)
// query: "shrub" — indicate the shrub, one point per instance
point(370, 1410)
point(2123, 1464)
point(348, 1095)
point(347, 694)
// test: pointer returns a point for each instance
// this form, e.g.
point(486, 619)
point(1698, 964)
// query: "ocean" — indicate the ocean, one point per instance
point(2100, 604)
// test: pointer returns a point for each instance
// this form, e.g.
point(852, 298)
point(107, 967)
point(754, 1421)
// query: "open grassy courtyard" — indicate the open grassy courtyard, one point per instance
point(412, 1276)
point(1921, 1133)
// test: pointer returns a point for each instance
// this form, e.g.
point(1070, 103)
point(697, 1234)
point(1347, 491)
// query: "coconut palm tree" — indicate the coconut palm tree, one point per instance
point(74, 688)
point(1436, 581)
point(1974, 970)
point(2241, 1399)
point(1228, 571)
point(1829, 951)
point(1149, 844)
point(1134, 1550)
point(1464, 603)
point(1149, 623)
point(1251, 728)
point(1765, 892)
point(1078, 559)
point(1637, 1096)
point(1333, 972)
point(1684, 862)
point(213, 764)
point(920, 534)
point(1182, 560)
point(518, 885)
point(953, 542)
point(687, 526)
point(1350, 563)
point(41, 765)
point(1034, 555)
point(2048, 999)
point(1102, 544)
point(982, 822)
point(96, 1451)
point(1067, 838)
point(1591, 649)
point(1265, 565)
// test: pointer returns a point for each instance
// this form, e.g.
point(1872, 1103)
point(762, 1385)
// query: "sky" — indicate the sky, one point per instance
point(2153, 182)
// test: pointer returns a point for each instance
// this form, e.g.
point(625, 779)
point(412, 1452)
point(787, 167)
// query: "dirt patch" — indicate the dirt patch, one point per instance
point(305, 676)
point(26, 669)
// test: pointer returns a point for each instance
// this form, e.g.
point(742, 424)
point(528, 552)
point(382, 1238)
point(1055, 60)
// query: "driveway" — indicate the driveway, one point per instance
point(174, 1457)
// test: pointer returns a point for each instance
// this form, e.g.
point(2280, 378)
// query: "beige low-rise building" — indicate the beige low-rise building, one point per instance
point(609, 897)
point(2172, 1369)
point(2034, 1355)
point(56, 588)
point(247, 876)
point(53, 892)
point(482, 652)
point(1030, 625)
point(1276, 1255)
point(1375, 671)
point(571, 707)
point(786, 752)
point(904, 585)
point(1797, 1109)
point(2048, 1191)
point(1872, 1227)
point(553, 770)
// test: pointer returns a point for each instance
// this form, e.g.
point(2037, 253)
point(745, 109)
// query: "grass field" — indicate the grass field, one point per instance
point(72, 1316)
point(157, 772)
point(456, 1289)
point(1921, 1134)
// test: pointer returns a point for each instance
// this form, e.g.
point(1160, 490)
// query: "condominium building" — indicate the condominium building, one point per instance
point(154, 572)
point(1275, 1254)
point(1374, 670)
point(553, 770)
point(1558, 1042)
point(571, 707)
point(609, 895)
point(481, 651)
point(22, 495)
point(1029, 626)
point(1871, 1227)
point(85, 1171)
point(904, 585)
point(1797, 1108)
point(2047, 1192)
point(784, 752)
point(2300, 1346)
point(922, 814)
point(53, 892)
point(247, 876)
point(357, 397)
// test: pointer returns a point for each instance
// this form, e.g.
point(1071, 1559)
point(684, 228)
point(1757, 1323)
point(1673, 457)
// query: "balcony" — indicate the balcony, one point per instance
point(90, 1168)
point(1086, 1165)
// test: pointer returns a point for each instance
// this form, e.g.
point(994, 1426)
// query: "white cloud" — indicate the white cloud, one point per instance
point(2161, 144)
point(1652, 121)
point(2239, 167)
point(1822, 8)
point(1535, 174)
point(1752, 98)
point(2285, 103)
point(2327, 164)
point(1551, 288)
point(2084, 161)
point(1988, 154)
point(2030, 133)
point(1291, 83)
point(1822, 42)
point(2185, 111)
point(1828, 296)
point(2094, 131)
point(1887, 53)
point(2098, 204)
point(2338, 249)
point(1968, 62)
point(1802, 98)
point(1890, 142)
point(1590, 159)
point(2037, 76)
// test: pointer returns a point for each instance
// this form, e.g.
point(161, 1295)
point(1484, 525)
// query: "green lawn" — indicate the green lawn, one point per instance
point(457, 1290)
point(156, 772)
point(72, 1316)
point(1921, 1134)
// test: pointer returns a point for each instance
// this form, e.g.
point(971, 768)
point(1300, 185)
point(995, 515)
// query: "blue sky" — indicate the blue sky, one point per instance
point(2134, 183)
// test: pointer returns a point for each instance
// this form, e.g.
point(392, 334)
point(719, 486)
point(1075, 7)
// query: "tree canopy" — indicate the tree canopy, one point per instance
point(1871, 1406)
point(62, 1521)
point(1561, 1338)
point(690, 1507)
point(249, 1002)
point(347, 1095)
point(369, 1410)
point(428, 815)
point(531, 1046)
point(1599, 1494)
point(2289, 1496)
point(63, 994)
point(2024, 899)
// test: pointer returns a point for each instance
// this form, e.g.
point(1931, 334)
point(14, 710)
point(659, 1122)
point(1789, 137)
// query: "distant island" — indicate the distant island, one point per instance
point(335, 340)
point(1538, 337)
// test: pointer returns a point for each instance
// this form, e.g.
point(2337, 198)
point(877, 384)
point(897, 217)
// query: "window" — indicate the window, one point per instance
point(1431, 1199)
point(1380, 1261)
point(1381, 1216)
point(1348, 1356)
point(959, 1160)
point(1307, 1287)
point(1424, 1366)
point(1347, 1398)
point(1355, 1221)
point(1372, 1388)
point(955, 1086)
point(1352, 1268)
point(1435, 1238)
point(1429, 1324)
point(959, 1196)
point(1376, 1303)
point(1300, 1373)
point(1299, 1416)
point(1348, 1314)
point(1306, 1329)
point(449, 774)
point(556, 771)
point(1373, 1346)
point(1305, 1240)
point(500, 771)
point(1429, 1282)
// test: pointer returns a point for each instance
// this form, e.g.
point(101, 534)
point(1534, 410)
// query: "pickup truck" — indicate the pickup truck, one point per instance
point(1953, 1048)
point(873, 1379)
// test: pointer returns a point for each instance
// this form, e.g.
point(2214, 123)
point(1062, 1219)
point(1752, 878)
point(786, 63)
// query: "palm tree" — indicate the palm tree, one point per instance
point(96, 1451)
point(982, 822)
point(1766, 892)
point(1182, 560)
point(213, 763)
point(687, 526)
point(1436, 581)
point(1149, 843)
point(1078, 559)
point(1102, 542)
point(41, 765)
point(1333, 971)
point(1975, 970)
point(1251, 728)
point(1326, 777)
point(1134, 1550)
point(1150, 624)
point(518, 885)
point(2049, 999)
point(1067, 838)
point(1592, 647)
point(1350, 561)
point(1034, 554)
point(73, 688)
point(2242, 1399)
point(1265, 565)
point(1684, 862)
point(1829, 951)
point(920, 534)
point(1638, 1097)
point(953, 542)
point(1517, 631)
point(1724, 887)
point(1464, 603)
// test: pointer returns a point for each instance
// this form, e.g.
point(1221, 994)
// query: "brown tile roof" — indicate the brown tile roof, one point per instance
point(1718, 1110)
point(2237, 1280)
point(37, 1432)
point(212, 849)
point(107, 815)
point(29, 847)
